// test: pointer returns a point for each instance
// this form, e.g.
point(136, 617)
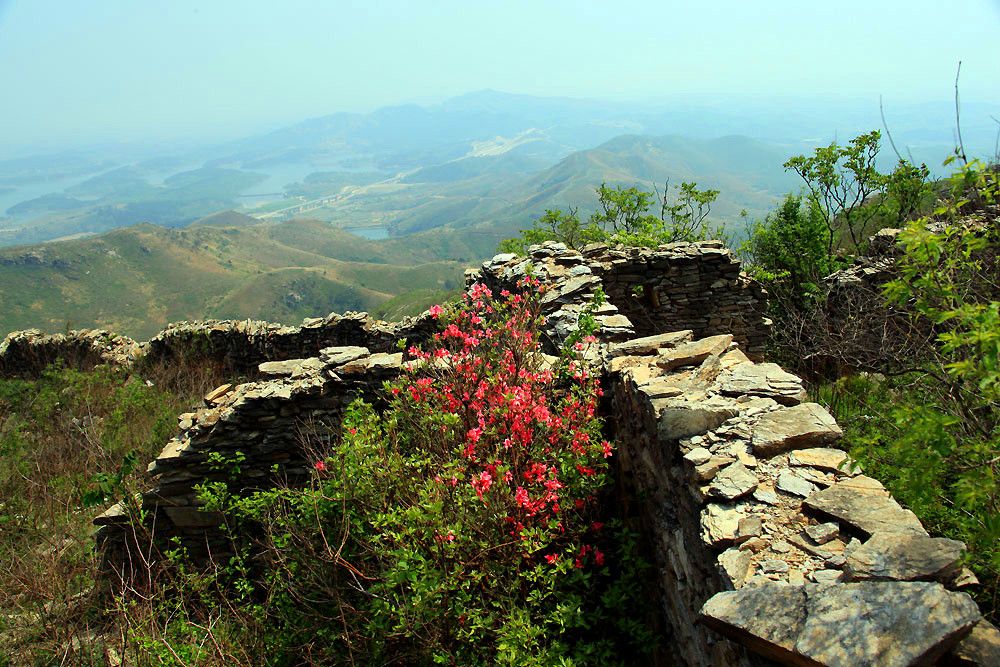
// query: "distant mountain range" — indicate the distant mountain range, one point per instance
point(440, 185)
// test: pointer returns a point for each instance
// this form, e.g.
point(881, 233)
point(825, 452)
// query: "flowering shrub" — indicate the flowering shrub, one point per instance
point(463, 524)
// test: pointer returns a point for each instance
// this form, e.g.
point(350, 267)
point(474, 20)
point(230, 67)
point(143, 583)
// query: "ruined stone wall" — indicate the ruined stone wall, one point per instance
point(28, 353)
point(765, 534)
point(238, 345)
point(696, 286)
point(252, 436)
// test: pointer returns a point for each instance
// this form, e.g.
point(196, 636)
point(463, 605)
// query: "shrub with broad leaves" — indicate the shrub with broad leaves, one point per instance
point(462, 524)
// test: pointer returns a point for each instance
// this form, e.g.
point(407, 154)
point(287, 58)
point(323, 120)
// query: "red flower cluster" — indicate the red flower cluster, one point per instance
point(528, 436)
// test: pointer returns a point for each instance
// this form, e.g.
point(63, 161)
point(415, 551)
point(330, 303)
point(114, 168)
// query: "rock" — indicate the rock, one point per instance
point(719, 524)
point(650, 344)
point(801, 426)
point(867, 508)
point(827, 576)
point(708, 470)
point(735, 481)
point(338, 356)
point(965, 578)
point(981, 647)
point(279, 368)
point(735, 566)
point(217, 395)
point(773, 566)
point(749, 527)
point(698, 455)
point(767, 379)
point(824, 458)
point(870, 623)
point(693, 353)
point(822, 533)
point(766, 496)
point(889, 556)
point(682, 418)
point(789, 482)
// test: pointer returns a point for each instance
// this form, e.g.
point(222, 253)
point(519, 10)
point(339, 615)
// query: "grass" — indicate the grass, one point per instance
point(62, 437)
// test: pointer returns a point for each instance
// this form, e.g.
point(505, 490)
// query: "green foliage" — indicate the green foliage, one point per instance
point(850, 194)
point(624, 216)
point(933, 434)
point(906, 437)
point(787, 251)
point(463, 525)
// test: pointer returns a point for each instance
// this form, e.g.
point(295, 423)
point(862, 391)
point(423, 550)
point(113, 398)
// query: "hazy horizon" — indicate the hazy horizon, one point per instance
point(119, 72)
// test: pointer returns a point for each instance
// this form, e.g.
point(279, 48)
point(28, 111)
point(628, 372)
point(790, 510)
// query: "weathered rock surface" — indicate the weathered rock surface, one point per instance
point(768, 380)
point(891, 556)
point(871, 623)
point(734, 481)
point(980, 648)
point(824, 458)
point(801, 426)
point(693, 353)
point(868, 508)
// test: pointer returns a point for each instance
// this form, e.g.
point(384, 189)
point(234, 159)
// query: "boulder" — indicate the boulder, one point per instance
point(870, 623)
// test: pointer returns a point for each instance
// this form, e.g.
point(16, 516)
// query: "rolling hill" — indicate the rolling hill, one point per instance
point(135, 280)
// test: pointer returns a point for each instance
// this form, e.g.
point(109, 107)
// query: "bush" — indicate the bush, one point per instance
point(462, 525)
point(624, 217)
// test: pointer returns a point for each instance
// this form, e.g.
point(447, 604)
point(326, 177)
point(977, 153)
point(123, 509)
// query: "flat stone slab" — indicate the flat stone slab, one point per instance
point(980, 648)
point(764, 379)
point(693, 353)
point(891, 624)
point(791, 483)
point(680, 418)
point(797, 427)
point(734, 481)
point(651, 344)
point(823, 458)
point(868, 507)
point(890, 556)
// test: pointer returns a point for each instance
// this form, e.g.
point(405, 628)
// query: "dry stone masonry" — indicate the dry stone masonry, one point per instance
point(696, 286)
point(764, 532)
point(770, 543)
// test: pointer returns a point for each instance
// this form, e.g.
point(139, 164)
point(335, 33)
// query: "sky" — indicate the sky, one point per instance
point(75, 71)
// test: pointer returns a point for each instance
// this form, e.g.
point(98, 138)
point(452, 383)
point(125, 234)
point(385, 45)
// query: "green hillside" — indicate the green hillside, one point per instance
point(135, 280)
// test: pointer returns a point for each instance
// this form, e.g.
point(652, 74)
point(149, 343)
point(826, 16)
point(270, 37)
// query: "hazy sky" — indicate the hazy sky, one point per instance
point(83, 70)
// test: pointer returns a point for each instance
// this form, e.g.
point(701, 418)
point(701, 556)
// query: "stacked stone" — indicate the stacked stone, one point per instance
point(28, 353)
point(763, 530)
point(696, 286)
point(243, 344)
point(251, 436)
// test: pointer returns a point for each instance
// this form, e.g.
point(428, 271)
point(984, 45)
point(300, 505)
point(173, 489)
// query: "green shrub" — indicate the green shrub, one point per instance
point(461, 525)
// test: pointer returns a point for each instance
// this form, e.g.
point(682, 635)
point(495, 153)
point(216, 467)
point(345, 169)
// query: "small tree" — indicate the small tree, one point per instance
point(840, 180)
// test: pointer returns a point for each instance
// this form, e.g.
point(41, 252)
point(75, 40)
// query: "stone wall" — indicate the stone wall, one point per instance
point(251, 436)
point(238, 345)
point(28, 353)
point(696, 286)
point(766, 536)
